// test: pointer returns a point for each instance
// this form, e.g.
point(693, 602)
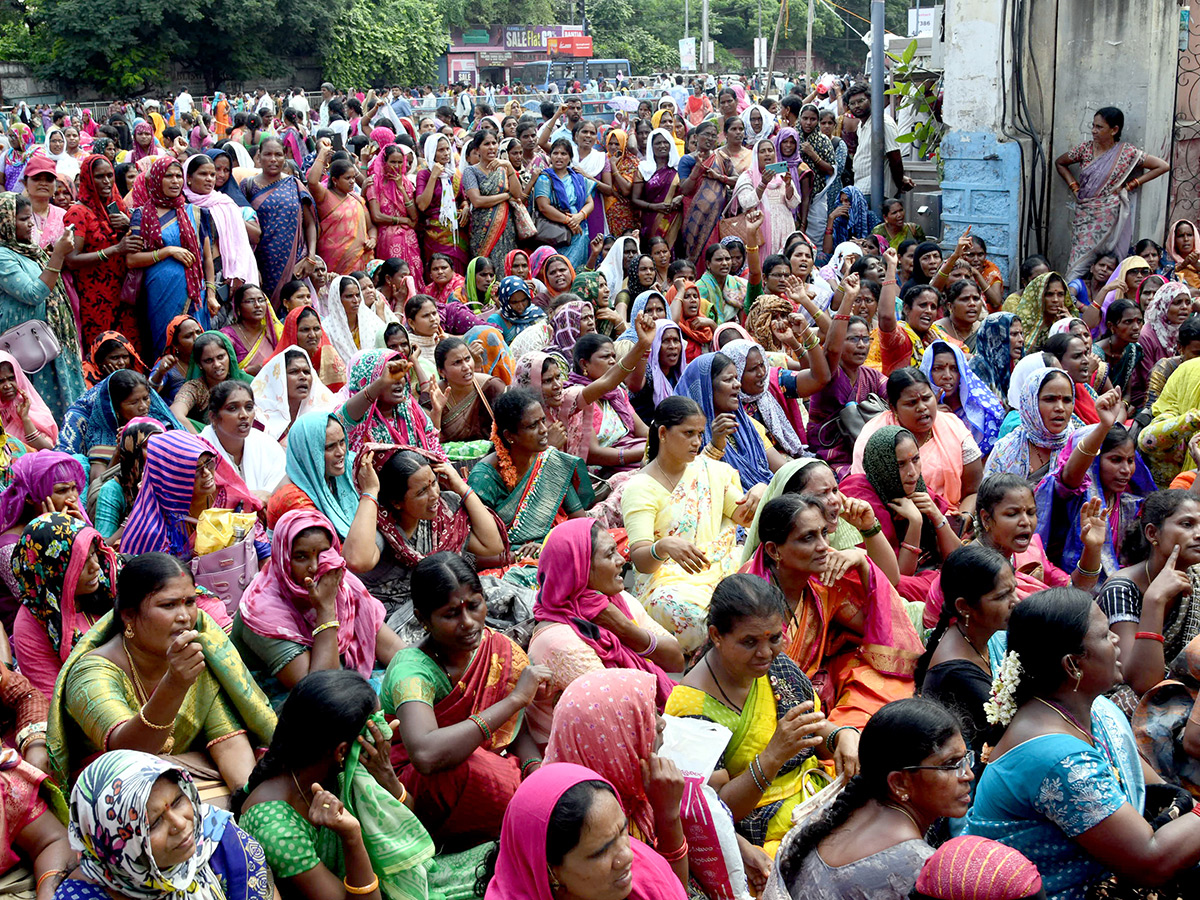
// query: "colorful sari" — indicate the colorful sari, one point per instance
point(342, 240)
point(699, 510)
point(406, 423)
point(771, 697)
point(436, 235)
point(714, 297)
point(497, 358)
point(825, 436)
point(393, 192)
point(622, 218)
point(555, 486)
point(854, 640)
point(493, 234)
point(466, 803)
point(1164, 442)
point(1031, 309)
point(703, 207)
point(280, 210)
point(1103, 213)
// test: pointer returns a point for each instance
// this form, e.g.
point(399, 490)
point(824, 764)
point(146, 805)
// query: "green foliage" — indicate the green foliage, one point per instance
point(616, 32)
point(121, 47)
point(917, 90)
point(16, 44)
point(370, 47)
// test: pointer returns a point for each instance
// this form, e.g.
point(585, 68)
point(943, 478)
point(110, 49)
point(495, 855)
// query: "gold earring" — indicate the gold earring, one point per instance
point(128, 631)
point(554, 885)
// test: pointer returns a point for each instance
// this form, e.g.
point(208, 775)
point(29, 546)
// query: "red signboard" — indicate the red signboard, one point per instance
point(570, 46)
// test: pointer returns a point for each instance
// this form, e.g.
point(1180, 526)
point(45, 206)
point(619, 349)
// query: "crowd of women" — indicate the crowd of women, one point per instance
point(399, 509)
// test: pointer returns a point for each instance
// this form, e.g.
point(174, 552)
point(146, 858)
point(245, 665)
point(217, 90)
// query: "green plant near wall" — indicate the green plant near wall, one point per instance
point(918, 89)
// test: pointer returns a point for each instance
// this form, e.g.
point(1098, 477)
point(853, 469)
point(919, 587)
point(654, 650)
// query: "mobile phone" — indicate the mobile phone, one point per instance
point(775, 168)
point(112, 207)
point(336, 142)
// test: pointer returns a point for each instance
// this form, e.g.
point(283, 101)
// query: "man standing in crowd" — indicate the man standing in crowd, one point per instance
point(858, 101)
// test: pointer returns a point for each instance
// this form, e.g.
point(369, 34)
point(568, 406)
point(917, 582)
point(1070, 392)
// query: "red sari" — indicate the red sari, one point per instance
point(330, 368)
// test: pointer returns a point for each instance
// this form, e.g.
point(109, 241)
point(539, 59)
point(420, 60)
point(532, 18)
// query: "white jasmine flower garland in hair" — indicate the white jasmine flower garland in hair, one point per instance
point(1001, 706)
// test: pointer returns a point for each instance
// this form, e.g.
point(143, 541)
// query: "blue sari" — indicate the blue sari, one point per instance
point(164, 283)
point(575, 194)
point(280, 209)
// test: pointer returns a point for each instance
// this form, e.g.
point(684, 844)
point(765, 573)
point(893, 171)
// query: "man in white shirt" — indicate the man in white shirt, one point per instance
point(858, 101)
point(326, 96)
point(298, 102)
point(183, 103)
point(264, 103)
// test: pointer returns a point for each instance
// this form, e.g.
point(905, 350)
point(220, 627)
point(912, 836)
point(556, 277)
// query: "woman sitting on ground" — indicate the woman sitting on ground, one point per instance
point(382, 408)
point(256, 457)
point(1065, 785)
point(457, 697)
point(304, 592)
point(302, 328)
point(960, 391)
point(325, 802)
point(914, 768)
point(846, 619)
point(213, 361)
point(112, 499)
point(286, 388)
point(746, 683)
point(1046, 403)
point(586, 621)
point(461, 402)
point(158, 675)
point(142, 830)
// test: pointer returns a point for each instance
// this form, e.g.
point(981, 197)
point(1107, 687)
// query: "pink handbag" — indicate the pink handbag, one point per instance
point(228, 572)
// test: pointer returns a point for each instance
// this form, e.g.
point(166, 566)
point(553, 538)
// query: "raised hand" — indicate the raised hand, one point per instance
point(1093, 523)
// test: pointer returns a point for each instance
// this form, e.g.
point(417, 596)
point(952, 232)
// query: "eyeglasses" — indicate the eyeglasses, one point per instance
point(211, 465)
point(860, 339)
point(961, 768)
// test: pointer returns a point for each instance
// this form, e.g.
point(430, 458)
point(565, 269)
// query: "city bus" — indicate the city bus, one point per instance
point(538, 75)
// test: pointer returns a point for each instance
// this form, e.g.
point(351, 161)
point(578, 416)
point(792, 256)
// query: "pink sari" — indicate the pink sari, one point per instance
point(342, 242)
point(394, 197)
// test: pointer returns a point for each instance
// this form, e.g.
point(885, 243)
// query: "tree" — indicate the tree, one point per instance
point(370, 46)
point(615, 34)
point(123, 47)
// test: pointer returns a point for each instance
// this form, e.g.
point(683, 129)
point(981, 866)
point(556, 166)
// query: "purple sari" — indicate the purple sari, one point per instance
point(658, 185)
point(825, 438)
point(280, 209)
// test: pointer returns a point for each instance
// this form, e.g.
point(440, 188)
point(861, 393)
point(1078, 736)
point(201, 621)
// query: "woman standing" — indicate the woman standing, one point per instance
point(776, 195)
point(30, 290)
point(704, 181)
point(623, 160)
point(1104, 209)
point(438, 195)
point(735, 148)
point(233, 255)
point(346, 239)
point(392, 204)
point(97, 260)
point(593, 163)
point(562, 196)
point(176, 254)
point(288, 247)
point(490, 186)
point(656, 189)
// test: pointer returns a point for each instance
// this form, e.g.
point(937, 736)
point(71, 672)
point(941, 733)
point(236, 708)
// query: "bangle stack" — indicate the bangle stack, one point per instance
point(760, 777)
point(831, 740)
point(100, 253)
point(34, 731)
point(1087, 573)
point(677, 854)
point(649, 651)
point(332, 623)
point(714, 452)
point(527, 764)
point(483, 726)
point(654, 552)
point(366, 495)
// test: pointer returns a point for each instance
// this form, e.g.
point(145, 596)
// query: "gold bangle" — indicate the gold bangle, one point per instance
point(52, 269)
point(624, 367)
point(332, 623)
point(151, 725)
point(365, 889)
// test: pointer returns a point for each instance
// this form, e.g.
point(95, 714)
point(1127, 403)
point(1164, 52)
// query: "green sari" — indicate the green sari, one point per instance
point(556, 482)
point(223, 699)
point(771, 697)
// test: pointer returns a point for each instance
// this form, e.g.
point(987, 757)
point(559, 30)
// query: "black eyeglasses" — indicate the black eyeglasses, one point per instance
point(961, 768)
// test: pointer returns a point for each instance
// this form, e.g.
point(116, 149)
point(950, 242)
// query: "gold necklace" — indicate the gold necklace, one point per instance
point(305, 797)
point(138, 688)
point(987, 662)
point(901, 809)
point(663, 472)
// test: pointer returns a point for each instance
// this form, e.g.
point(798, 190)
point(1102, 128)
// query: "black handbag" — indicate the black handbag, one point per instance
point(852, 417)
point(555, 234)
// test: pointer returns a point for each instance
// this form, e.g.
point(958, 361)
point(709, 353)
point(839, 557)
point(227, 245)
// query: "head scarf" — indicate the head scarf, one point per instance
point(858, 222)
point(34, 476)
point(879, 461)
point(108, 829)
point(975, 868)
point(795, 163)
point(278, 608)
point(497, 358)
point(137, 153)
point(608, 719)
point(648, 166)
point(235, 369)
point(521, 870)
point(64, 162)
point(1061, 326)
point(104, 421)
point(25, 133)
point(777, 488)
point(587, 286)
point(158, 520)
point(512, 255)
point(230, 189)
point(1032, 310)
point(338, 501)
point(537, 259)
point(1156, 315)
point(1171, 251)
point(1020, 375)
point(470, 289)
point(564, 566)
point(992, 361)
point(272, 406)
point(330, 368)
point(551, 292)
point(1011, 452)
point(91, 366)
point(383, 136)
point(397, 191)
point(59, 314)
point(766, 308)
point(613, 266)
point(565, 325)
point(237, 256)
point(772, 414)
point(639, 307)
point(47, 563)
point(336, 324)
point(1118, 277)
point(746, 451)
point(510, 286)
point(733, 240)
point(152, 238)
point(664, 382)
point(982, 409)
point(729, 326)
point(768, 125)
point(447, 211)
point(90, 197)
point(39, 412)
point(407, 424)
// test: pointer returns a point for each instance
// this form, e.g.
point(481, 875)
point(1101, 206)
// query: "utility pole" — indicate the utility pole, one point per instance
point(685, 19)
point(775, 44)
point(808, 60)
point(877, 104)
point(704, 37)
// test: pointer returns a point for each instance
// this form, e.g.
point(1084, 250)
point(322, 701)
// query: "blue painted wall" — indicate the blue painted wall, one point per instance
point(981, 186)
